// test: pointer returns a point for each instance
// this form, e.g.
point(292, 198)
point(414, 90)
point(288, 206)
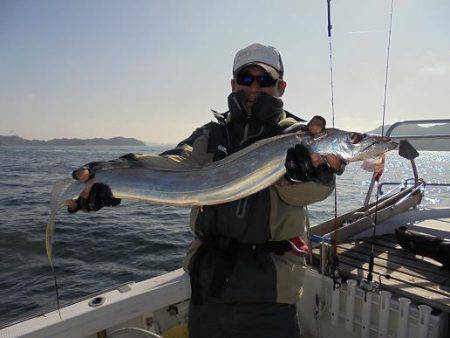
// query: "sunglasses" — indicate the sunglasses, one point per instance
point(262, 80)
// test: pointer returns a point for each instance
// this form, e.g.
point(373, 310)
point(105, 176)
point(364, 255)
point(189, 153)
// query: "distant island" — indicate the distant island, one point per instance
point(417, 129)
point(115, 141)
point(414, 129)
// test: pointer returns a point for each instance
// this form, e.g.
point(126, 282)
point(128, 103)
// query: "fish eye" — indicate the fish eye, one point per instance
point(356, 137)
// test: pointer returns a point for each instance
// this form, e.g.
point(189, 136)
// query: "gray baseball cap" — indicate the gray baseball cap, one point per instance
point(266, 57)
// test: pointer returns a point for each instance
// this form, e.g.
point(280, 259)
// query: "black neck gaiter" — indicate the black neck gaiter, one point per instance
point(261, 122)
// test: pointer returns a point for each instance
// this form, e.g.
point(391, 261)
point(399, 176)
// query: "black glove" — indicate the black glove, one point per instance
point(100, 196)
point(299, 167)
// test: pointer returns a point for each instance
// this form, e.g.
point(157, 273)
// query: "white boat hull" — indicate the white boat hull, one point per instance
point(147, 305)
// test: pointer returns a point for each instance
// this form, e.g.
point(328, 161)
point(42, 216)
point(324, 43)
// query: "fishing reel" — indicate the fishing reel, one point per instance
point(335, 276)
point(369, 286)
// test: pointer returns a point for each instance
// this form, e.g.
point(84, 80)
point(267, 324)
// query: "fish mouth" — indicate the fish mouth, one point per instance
point(390, 143)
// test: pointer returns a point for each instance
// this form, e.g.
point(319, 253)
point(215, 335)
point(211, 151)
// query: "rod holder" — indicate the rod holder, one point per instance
point(385, 305)
point(335, 298)
point(403, 317)
point(366, 314)
point(424, 320)
point(350, 305)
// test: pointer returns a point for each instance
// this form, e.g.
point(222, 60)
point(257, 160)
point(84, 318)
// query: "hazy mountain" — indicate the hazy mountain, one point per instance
point(417, 129)
point(115, 141)
point(443, 144)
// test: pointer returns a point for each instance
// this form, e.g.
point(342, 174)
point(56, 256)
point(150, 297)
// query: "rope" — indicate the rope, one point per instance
point(372, 240)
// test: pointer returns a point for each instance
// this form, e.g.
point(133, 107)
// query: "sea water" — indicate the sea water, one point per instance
point(132, 242)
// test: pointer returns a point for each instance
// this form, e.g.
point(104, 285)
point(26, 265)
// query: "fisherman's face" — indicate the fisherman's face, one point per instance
point(254, 89)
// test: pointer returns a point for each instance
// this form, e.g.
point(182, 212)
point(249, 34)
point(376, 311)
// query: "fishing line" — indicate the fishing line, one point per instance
point(58, 305)
point(375, 221)
point(387, 66)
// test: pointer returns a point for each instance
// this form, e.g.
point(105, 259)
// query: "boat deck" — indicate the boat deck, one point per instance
point(415, 277)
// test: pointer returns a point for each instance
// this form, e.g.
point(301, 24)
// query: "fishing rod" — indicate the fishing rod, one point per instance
point(333, 268)
point(334, 273)
point(369, 285)
point(330, 45)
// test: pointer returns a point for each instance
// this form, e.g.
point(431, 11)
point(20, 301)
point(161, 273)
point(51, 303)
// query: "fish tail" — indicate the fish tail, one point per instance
point(49, 236)
point(56, 202)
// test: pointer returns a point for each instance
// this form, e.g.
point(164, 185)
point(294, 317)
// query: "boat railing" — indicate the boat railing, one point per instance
point(415, 179)
point(417, 137)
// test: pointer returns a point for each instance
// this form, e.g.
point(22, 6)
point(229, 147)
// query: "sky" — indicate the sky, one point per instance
point(153, 69)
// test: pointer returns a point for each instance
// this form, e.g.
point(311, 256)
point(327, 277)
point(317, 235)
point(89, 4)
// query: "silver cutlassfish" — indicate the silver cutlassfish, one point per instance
point(236, 176)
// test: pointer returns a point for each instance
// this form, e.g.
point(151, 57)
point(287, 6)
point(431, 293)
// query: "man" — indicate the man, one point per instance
point(246, 264)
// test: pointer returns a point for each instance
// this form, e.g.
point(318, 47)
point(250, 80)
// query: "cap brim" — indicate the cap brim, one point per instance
point(273, 73)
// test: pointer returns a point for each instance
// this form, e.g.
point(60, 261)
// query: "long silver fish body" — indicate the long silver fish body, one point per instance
point(236, 176)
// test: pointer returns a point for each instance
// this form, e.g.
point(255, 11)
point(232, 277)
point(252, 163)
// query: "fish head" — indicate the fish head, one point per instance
point(364, 146)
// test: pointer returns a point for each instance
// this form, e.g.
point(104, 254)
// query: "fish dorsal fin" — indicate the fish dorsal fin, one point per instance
point(295, 128)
